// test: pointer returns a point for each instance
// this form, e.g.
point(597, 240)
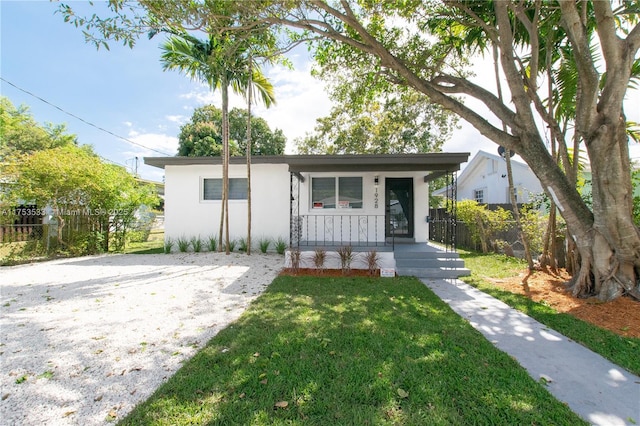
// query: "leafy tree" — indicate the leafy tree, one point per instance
point(422, 45)
point(22, 135)
point(74, 183)
point(201, 136)
point(402, 122)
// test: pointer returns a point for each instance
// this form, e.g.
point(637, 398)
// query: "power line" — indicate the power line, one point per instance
point(83, 120)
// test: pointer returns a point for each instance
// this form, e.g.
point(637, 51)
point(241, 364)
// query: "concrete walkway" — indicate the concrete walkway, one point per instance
point(599, 391)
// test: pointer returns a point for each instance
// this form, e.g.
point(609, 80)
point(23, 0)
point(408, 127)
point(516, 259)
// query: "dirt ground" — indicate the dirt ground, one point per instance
point(621, 316)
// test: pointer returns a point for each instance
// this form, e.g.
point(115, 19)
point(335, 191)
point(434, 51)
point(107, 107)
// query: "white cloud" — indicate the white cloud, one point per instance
point(300, 100)
point(178, 119)
point(148, 142)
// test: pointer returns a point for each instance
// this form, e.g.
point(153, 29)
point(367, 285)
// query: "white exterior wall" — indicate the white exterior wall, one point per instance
point(368, 223)
point(485, 172)
point(188, 215)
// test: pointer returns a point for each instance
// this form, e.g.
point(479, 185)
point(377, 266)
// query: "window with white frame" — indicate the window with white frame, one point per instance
point(478, 195)
point(336, 192)
point(212, 189)
point(515, 193)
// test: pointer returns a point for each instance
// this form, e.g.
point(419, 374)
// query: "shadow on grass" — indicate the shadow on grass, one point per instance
point(350, 351)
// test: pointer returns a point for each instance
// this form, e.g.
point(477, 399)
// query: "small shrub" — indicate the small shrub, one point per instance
point(232, 245)
point(295, 259)
point(242, 245)
point(92, 243)
point(212, 242)
point(319, 259)
point(346, 257)
point(373, 261)
point(168, 245)
point(183, 244)
point(281, 245)
point(264, 244)
point(196, 244)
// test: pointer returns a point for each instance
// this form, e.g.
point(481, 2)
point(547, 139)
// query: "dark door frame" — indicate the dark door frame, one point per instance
point(403, 191)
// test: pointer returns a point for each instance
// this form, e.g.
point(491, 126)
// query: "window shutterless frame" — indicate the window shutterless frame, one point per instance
point(212, 189)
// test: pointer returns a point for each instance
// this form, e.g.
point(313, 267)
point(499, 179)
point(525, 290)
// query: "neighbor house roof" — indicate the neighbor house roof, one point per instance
point(434, 162)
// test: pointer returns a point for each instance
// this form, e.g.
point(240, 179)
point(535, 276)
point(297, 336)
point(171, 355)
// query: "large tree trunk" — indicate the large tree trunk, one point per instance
point(610, 252)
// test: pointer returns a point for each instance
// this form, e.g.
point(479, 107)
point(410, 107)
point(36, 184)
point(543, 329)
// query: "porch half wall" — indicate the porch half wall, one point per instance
point(188, 215)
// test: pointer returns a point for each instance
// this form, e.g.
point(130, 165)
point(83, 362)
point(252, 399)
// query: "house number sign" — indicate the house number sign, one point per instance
point(375, 199)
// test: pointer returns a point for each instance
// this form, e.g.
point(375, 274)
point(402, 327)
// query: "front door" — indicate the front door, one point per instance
point(399, 207)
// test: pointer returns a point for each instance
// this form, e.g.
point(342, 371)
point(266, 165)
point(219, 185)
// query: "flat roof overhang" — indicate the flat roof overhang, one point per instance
point(161, 162)
point(432, 162)
point(377, 162)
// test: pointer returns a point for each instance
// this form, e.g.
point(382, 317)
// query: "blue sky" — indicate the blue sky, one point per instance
point(126, 92)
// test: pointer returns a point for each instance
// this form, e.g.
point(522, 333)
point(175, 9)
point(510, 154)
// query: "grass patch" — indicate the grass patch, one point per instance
point(622, 351)
point(153, 245)
point(347, 351)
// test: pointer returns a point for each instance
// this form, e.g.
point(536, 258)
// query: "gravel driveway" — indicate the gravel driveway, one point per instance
point(83, 340)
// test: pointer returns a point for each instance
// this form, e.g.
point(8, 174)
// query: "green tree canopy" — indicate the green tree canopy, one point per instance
point(74, 181)
point(21, 134)
point(202, 135)
point(405, 122)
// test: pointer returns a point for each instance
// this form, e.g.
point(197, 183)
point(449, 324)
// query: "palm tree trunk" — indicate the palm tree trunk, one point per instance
point(249, 90)
point(225, 161)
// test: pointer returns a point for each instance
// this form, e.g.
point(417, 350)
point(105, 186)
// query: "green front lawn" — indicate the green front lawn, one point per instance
point(350, 351)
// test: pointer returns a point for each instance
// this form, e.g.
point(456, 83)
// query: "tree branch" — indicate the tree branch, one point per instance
point(450, 84)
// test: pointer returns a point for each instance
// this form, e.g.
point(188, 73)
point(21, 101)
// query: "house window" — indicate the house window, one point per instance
point(478, 195)
point(515, 193)
point(212, 189)
point(342, 192)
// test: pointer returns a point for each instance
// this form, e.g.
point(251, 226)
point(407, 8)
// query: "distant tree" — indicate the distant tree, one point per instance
point(399, 122)
point(202, 135)
point(21, 134)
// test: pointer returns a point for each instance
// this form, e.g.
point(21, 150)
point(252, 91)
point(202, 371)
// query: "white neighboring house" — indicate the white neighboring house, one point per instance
point(484, 179)
point(307, 200)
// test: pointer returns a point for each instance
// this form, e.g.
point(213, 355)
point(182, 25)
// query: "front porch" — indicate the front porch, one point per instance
point(365, 201)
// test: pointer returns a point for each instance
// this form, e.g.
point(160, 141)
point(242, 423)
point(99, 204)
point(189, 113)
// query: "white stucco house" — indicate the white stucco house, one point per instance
point(308, 200)
point(484, 179)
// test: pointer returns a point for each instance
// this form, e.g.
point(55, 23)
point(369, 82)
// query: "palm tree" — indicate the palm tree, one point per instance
point(221, 62)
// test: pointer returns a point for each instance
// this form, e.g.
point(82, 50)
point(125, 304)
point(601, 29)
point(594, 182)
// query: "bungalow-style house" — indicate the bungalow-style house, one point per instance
point(485, 180)
point(307, 200)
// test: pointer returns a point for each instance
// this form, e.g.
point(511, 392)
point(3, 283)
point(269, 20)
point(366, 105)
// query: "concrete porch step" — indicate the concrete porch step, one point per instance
point(430, 264)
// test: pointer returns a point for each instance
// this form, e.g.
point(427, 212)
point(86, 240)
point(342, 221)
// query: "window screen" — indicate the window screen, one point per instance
point(212, 189)
point(350, 192)
point(323, 193)
point(331, 192)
